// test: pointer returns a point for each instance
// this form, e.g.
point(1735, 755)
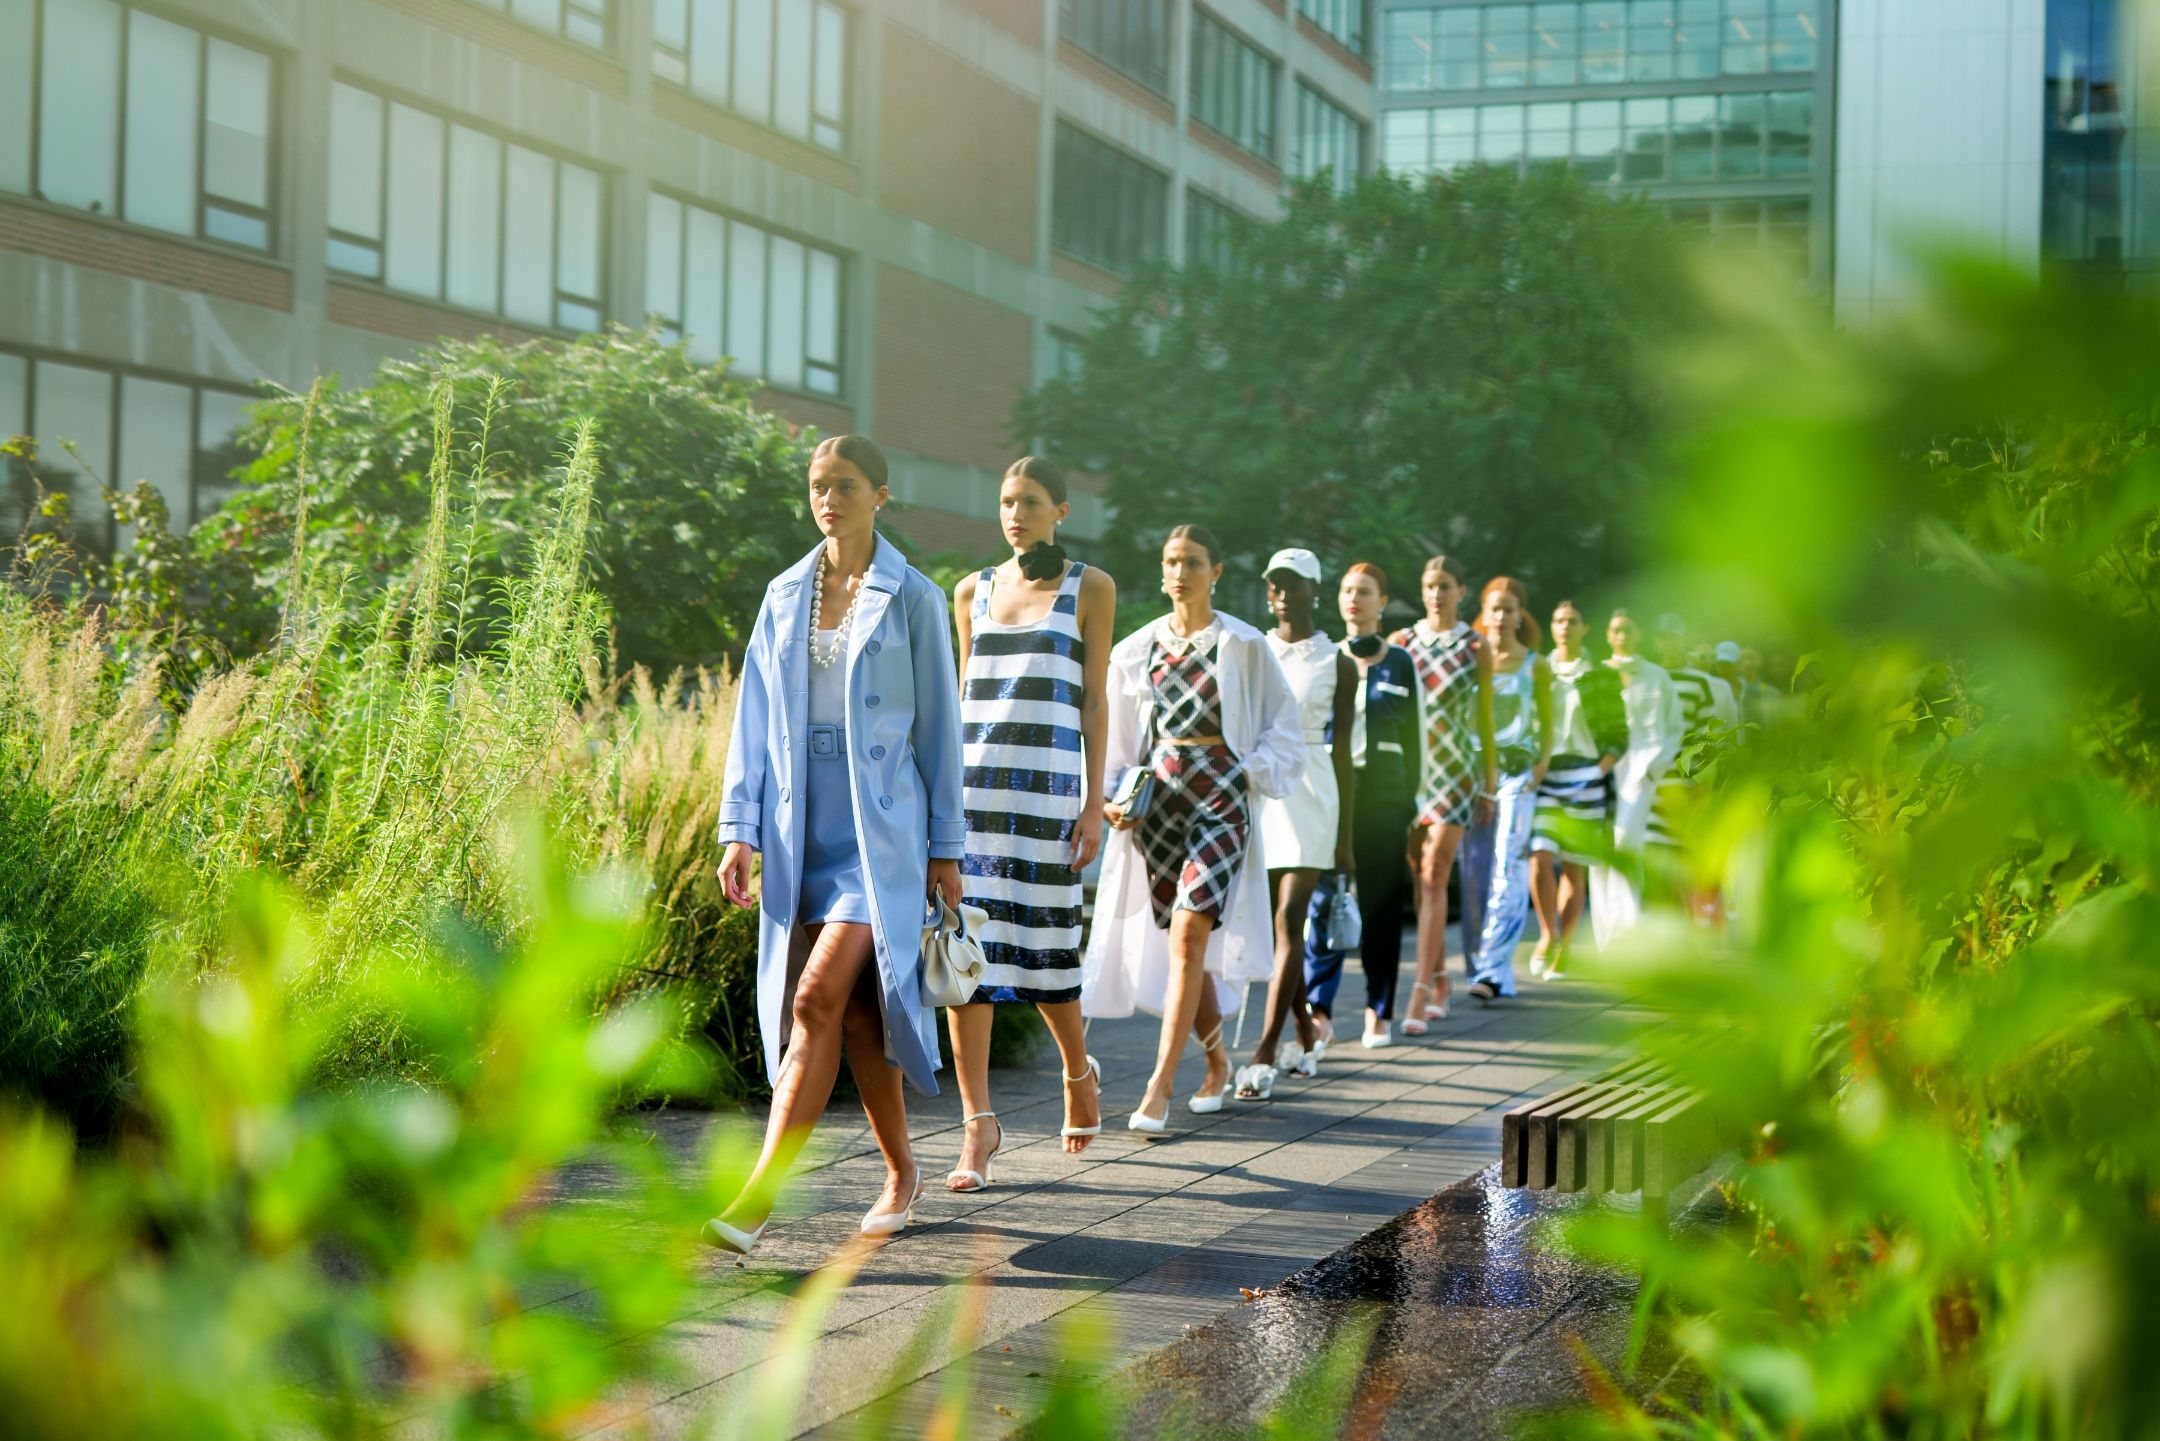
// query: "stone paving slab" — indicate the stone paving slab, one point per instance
point(1145, 1238)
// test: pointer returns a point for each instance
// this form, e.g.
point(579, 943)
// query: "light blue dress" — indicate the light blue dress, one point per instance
point(897, 758)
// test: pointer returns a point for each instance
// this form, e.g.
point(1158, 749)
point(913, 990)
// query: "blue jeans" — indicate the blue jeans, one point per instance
point(1496, 883)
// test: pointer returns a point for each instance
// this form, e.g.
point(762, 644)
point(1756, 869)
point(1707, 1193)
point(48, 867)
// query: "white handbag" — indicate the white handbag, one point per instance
point(952, 955)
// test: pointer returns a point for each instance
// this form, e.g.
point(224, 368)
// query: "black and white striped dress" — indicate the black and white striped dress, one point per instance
point(1574, 803)
point(1020, 736)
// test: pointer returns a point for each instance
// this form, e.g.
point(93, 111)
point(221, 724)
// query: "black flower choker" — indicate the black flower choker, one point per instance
point(1043, 562)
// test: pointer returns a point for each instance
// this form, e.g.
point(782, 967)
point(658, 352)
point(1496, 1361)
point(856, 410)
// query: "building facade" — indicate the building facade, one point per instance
point(1719, 111)
point(897, 215)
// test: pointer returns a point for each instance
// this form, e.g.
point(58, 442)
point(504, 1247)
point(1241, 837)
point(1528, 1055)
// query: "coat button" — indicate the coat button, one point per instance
point(884, 803)
point(877, 753)
point(874, 647)
point(870, 701)
point(784, 794)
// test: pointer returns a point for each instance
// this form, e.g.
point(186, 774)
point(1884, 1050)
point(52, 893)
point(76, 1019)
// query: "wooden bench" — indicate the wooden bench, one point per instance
point(1634, 1128)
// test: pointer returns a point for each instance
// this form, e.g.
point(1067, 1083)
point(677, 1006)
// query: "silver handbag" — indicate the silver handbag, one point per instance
point(1342, 924)
point(952, 954)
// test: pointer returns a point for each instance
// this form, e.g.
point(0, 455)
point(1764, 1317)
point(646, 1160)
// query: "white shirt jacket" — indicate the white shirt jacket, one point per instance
point(1127, 964)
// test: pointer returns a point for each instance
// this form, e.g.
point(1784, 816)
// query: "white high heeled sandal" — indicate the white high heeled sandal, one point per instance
point(889, 1223)
point(988, 1173)
point(1201, 1105)
point(1095, 1070)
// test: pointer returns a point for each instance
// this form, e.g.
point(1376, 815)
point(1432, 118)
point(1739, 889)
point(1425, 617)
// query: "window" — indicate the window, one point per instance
point(1213, 231)
point(1792, 36)
point(1691, 139)
point(1233, 86)
point(1107, 207)
point(1405, 140)
point(125, 427)
point(1553, 44)
point(2091, 193)
point(1604, 42)
point(1344, 20)
point(782, 63)
point(136, 117)
point(585, 21)
point(434, 208)
point(1067, 354)
point(1747, 37)
point(729, 288)
point(1740, 127)
point(1407, 53)
point(1131, 36)
point(1507, 46)
point(1327, 139)
point(1650, 39)
point(1597, 42)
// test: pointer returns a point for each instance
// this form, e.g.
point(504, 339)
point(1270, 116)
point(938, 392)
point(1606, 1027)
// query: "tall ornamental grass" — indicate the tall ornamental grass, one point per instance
point(377, 756)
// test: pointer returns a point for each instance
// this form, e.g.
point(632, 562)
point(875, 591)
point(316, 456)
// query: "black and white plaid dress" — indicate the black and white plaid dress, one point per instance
point(1195, 835)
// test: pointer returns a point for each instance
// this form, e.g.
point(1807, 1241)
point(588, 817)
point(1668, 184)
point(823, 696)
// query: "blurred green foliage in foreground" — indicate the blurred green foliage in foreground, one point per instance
point(1933, 1012)
point(257, 1256)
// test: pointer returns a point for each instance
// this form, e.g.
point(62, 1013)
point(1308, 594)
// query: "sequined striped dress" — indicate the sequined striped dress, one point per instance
point(1020, 737)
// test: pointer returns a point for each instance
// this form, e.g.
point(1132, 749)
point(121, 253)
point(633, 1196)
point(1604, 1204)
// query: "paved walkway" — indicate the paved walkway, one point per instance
point(1146, 1238)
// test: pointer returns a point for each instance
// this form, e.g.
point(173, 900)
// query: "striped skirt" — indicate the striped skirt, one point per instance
point(1574, 809)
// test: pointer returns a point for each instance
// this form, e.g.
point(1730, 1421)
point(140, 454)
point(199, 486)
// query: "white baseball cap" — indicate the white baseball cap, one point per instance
point(1728, 651)
point(1296, 560)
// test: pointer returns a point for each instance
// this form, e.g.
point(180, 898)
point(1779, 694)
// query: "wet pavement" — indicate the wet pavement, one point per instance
point(1457, 1318)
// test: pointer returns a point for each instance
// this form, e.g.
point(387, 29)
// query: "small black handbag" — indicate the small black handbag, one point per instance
point(1135, 788)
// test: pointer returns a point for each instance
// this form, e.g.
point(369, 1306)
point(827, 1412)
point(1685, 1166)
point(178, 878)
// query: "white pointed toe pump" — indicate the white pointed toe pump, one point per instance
point(891, 1223)
point(719, 1235)
point(978, 1180)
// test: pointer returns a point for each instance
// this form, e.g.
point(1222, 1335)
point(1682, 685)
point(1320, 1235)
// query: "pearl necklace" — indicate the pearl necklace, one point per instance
point(817, 614)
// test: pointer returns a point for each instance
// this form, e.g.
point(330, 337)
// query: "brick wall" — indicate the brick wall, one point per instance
point(1233, 152)
point(1357, 63)
point(365, 307)
point(521, 42)
point(932, 532)
point(949, 367)
point(1078, 272)
point(829, 417)
point(956, 148)
point(129, 250)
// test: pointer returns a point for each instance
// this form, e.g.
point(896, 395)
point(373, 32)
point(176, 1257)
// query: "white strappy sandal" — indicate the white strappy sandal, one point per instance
point(988, 1173)
point(1201, 1105)
point(1078, 1132)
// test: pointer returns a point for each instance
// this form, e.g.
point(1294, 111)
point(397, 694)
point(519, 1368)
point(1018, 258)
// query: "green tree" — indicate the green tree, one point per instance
point(1437, 364)
point(695, 506)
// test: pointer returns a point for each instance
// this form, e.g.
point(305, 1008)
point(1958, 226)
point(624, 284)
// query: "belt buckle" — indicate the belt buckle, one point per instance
point(826, 741)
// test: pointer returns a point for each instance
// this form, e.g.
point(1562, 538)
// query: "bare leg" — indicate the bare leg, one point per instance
point(1207, 1030)
point(1293, 891)
point(1544, 898)
point(1436, 857)
point(970, 1027)
point(1083, 1099)
point(884, 1102)
point(1181, 1005)
point(1574, 889)
point(838, 958)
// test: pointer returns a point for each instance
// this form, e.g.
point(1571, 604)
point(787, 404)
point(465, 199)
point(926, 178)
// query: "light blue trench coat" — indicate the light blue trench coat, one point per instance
point(904, 768)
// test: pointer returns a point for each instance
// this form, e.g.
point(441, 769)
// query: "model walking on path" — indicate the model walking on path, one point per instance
point(1181, 917)
point(1455, 711)
point(1386, 749)
point(1304, 834)
point(843, 778)
point(1574, 804)
point(1035, 632)
point(1496, 852)
point(1652, 707)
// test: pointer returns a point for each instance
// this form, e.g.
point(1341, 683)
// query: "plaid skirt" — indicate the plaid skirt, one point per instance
point(1195, 834)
